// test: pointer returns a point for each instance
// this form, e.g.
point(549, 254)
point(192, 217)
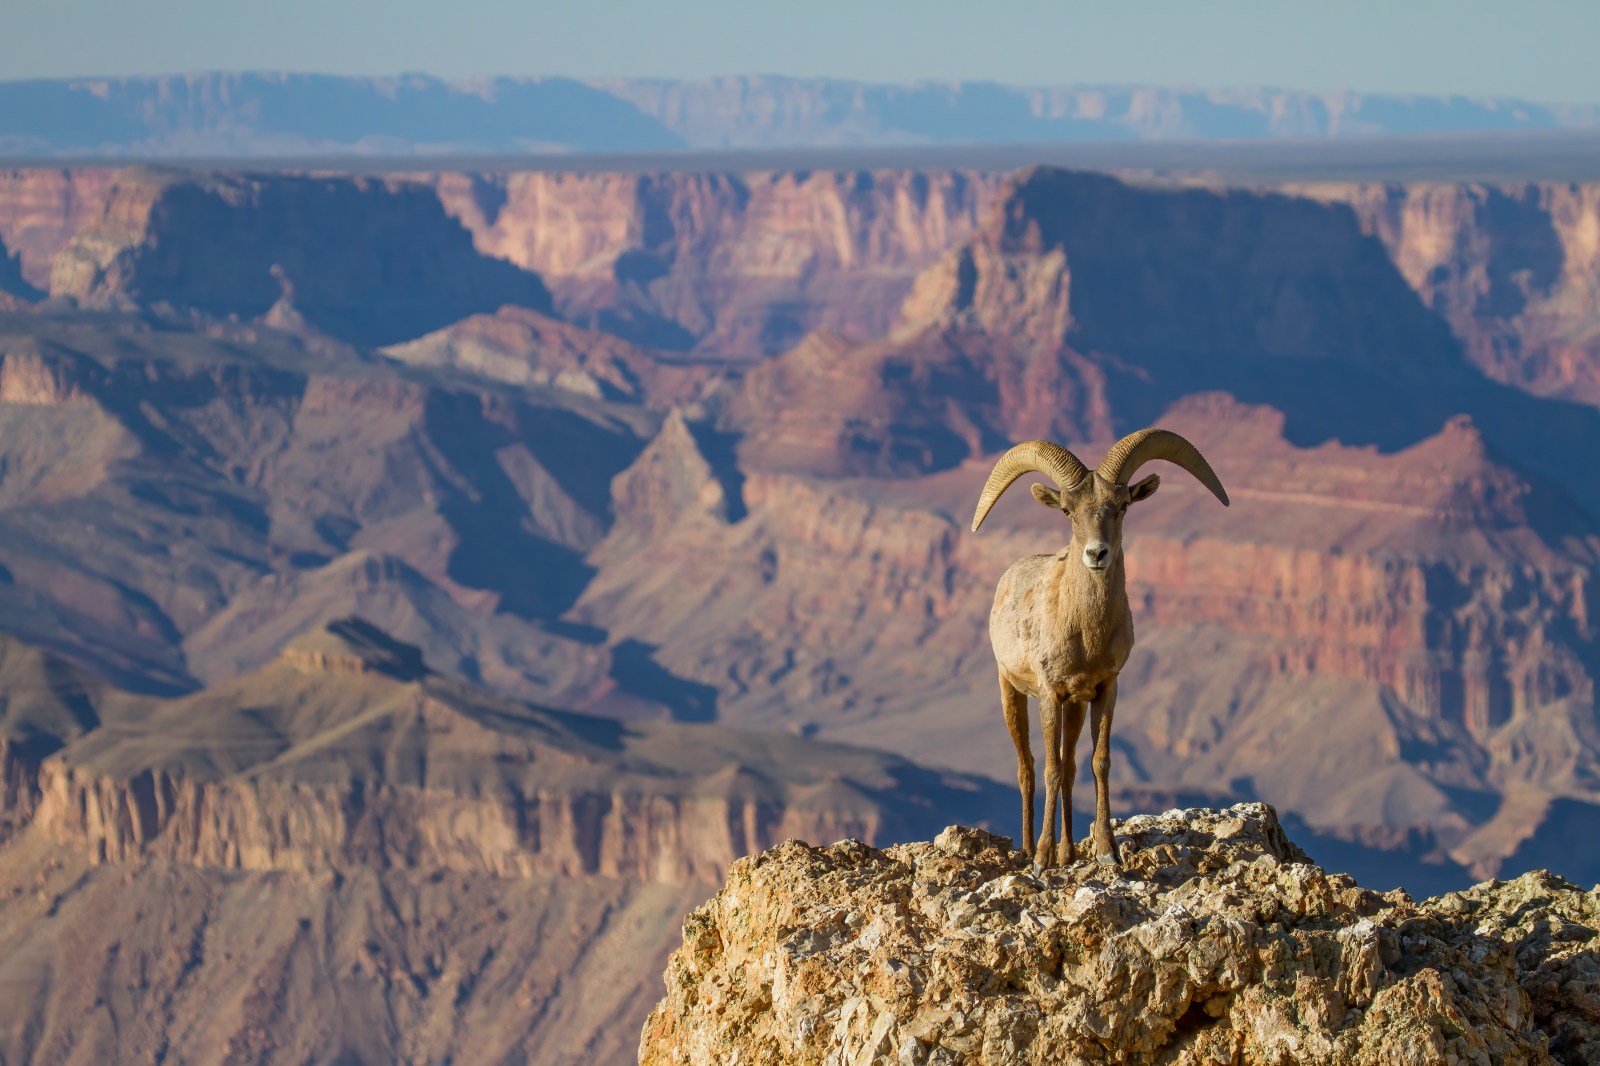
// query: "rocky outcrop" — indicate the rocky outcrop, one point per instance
point(1219, 941)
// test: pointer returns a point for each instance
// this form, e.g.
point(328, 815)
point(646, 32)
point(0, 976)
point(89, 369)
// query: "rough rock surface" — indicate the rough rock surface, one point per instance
point(1219, 941)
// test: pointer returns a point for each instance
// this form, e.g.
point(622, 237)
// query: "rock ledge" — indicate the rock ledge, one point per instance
point(1218, 942)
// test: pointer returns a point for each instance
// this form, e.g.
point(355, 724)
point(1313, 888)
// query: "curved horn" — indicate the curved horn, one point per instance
point(1136, 449)
point(1051, 460)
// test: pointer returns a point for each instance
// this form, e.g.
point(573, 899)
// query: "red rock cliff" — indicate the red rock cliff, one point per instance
point(730, 264)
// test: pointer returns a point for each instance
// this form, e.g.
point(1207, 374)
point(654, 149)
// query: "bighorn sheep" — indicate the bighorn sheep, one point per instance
point(1060, 625)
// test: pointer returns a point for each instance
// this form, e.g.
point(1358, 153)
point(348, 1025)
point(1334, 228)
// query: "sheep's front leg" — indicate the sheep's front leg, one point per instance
point(1015, 704)
point(1071, 728)
point(1050, 723)
point(1100, 712)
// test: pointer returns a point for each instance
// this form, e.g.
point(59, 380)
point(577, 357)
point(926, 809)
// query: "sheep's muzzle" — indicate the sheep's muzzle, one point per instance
point(1097, 556)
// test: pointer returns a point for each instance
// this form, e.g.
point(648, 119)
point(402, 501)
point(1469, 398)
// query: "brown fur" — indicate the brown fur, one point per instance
point(1061, 633)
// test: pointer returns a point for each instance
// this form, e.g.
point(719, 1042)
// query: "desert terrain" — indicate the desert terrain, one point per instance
point(462, 566)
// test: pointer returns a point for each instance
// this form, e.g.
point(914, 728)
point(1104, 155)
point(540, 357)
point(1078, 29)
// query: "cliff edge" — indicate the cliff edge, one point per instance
point(1218, 942)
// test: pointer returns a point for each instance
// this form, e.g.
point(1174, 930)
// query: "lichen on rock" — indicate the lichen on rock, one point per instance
point(1218, 941)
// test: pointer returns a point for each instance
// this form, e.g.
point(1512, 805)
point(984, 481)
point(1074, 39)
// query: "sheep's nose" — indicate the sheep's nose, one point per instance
point(1097, 555)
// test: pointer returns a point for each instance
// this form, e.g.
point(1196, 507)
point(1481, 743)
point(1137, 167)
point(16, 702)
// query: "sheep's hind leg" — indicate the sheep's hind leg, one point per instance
point(1015, 704)
point(1071, 727)
point(1100, 712)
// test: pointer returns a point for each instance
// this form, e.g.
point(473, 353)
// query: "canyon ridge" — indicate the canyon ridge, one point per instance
point(598, 460)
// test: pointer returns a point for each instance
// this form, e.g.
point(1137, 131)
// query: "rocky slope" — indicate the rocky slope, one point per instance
point(129, 962)
point(219, 495)
point(1219, 941)
point(348, 751)
point(344, 855)
point(524, 347)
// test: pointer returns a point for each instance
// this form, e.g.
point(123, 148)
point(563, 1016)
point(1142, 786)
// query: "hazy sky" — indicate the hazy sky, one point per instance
point(1539, 49)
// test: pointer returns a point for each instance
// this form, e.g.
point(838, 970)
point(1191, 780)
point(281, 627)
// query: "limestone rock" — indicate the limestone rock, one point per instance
point(1217, 942)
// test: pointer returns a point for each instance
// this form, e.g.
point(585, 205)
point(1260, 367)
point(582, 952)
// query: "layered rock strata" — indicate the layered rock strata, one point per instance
point(731, 265)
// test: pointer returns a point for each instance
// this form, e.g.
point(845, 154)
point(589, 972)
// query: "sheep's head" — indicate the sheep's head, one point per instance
point(1095, 501)
point(1095, 509)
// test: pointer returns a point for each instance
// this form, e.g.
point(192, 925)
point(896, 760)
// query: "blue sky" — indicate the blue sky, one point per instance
point(1538, 49)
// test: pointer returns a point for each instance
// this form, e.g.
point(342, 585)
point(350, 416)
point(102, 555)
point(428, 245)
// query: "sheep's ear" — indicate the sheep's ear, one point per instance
point(1048, 497)
point(1143, 490)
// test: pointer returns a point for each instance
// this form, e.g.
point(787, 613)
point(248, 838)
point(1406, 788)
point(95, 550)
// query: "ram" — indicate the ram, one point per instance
point(1061, 627)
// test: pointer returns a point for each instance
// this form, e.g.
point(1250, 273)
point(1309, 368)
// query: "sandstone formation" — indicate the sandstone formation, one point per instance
point(388, 264)
point(42, 209)
point(1512, 268)
point(732, 265)
point(1218, 942)
point(524, 347)
point(459, 506)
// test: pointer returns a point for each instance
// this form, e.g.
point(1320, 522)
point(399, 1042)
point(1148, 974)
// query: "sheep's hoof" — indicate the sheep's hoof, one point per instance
point(1065, 853)
point(1111, 856)
point(1046, 855)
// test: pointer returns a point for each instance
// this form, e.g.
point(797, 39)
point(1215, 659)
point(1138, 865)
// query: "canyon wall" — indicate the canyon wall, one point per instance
point(741, 265)
point(738, 265)
point(263, 825)
point(42, 209)
point(387, 264)
point(1514, 269)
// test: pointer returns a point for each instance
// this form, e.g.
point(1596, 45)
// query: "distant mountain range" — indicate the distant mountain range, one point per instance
point(277, 114)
